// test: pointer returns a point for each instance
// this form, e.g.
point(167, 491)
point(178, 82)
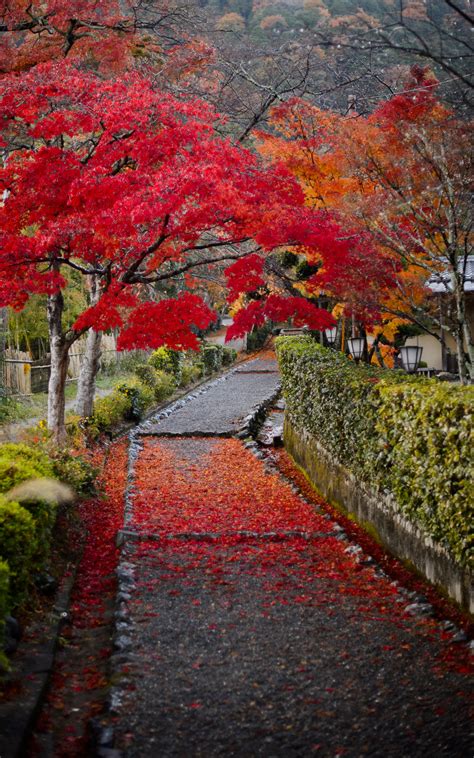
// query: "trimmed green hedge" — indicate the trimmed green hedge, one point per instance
point(404, 434)
point(32, 455)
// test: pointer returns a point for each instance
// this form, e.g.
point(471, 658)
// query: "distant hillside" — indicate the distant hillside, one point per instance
point(256, 16)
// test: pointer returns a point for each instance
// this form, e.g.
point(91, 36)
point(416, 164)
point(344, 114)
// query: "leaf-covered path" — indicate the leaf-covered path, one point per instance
point(248, 623)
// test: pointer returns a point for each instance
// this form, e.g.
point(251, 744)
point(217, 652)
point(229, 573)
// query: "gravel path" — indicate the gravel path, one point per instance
point(248, 626)
point(235, 653)
point(222, 409)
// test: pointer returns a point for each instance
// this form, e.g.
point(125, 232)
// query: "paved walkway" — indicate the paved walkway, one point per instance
point(249, 626)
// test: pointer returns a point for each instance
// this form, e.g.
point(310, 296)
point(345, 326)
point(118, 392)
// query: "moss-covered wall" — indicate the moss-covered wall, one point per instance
point(396, 451)
point(399, 434)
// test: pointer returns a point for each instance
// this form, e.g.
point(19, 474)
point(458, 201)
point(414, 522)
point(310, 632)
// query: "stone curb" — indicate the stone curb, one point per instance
point(128, 534)
point(17, 717)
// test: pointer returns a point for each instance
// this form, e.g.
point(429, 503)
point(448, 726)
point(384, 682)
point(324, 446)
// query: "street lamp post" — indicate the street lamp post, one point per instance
point(330, 335)
point(356, 347)
point(411, 357)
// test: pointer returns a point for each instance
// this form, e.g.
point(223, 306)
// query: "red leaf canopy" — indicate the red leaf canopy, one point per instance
point(115, 179)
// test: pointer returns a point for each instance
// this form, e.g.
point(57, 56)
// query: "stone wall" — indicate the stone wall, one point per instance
point(378, 513)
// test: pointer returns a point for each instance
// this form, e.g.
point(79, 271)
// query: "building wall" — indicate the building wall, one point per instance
point(432, 351)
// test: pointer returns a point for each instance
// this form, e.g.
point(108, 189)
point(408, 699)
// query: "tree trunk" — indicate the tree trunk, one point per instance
point(90, 362)
point(59, 362)
point(470, 351)
point(460, 324)
point(3, 344)
point(87, 375)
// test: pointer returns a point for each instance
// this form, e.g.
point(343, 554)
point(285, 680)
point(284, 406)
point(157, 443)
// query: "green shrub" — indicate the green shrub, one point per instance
point(34, 455)
point(147, 374)
point(258, 336)
point(20, 463)
point(404, 434)
point(191, 373)
point(228, 356)
point(161, 383)
point(140, 396)
point(170, 361)
point(44, 514)
point(127, 402)
point(109, 412)
point(198, 365)
point(165, 385)
point(18, 546)
point(212, 358)
point(75, 470)
point(14, 472)
point(4, 608)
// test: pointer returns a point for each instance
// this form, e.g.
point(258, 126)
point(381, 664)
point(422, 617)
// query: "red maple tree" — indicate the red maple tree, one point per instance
point(128, 187)
point(107, 34)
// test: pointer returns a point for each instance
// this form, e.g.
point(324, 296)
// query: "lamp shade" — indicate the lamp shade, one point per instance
point(356, 347)
point(330, 335)
point(411, 357)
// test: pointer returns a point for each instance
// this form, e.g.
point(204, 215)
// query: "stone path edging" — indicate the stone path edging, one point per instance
point(17, 716)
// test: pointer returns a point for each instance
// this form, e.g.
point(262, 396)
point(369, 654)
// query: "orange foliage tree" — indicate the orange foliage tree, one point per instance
point(402, 174)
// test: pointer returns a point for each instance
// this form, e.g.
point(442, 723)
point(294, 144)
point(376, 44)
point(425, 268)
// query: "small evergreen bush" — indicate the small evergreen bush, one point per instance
point(14, 472)
point(109, 412)
point(75, 470)
point(229, 355)
point(140, 396)
point(191, 373)
point(34, 455)
point(212, 358)
point(170, 361)
point(4, 608)
point(18, 546)
point(147, 374)
point(164, 386)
